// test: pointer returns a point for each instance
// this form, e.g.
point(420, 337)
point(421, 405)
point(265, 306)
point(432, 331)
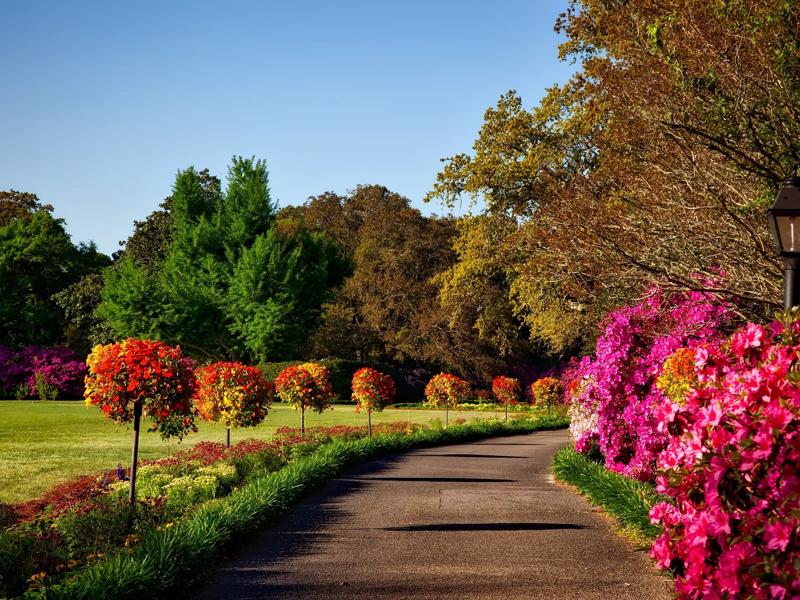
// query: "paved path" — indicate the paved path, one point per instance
point(477, 520)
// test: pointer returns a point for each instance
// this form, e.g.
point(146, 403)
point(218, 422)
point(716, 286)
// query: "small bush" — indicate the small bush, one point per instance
point(183, 492)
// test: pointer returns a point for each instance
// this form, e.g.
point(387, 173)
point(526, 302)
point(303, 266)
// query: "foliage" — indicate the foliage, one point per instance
point(60, 370)
point(19, 205)
point(233, 284)
point(730, 468)
point(372, 390)
point(305, 386)
point(83, 329)
point(627, 500)
point(446, 390)
point(37, 260)
point(233, 394)
point(547, 391)
point(389, 309)
point(678, 125)
point(152, 374)
point(615, 390)
point(507, 390)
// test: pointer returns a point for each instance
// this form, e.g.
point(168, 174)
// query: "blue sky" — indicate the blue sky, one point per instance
point(102, 103)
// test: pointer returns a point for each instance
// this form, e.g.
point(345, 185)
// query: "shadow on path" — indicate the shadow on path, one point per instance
point(487, 527)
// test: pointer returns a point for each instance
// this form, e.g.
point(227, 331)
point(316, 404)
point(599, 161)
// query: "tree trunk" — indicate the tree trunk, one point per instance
point(227, 437)
point(137, 418)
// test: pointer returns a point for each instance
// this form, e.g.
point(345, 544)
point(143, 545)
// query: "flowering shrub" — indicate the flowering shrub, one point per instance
point(60, 369)
point(614, 392)
point(146, 372)
point(372, 390)
point(546, 391)
point(507, 390)
point(305, 386)
point(446, 390)
point(233, 394)
point(731, 466)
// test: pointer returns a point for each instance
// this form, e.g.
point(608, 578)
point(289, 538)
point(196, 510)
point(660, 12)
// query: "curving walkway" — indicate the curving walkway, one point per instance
point(477, 520)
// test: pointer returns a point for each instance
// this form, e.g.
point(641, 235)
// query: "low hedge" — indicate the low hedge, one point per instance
point(626, 499)
point(167, 560)
point(342, 371)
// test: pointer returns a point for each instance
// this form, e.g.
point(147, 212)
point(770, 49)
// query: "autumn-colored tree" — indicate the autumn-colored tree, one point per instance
point(305, 386)
point(372, 390)
point(656, 159)
point(507, 391)
point(233, 394)
point(445, 390)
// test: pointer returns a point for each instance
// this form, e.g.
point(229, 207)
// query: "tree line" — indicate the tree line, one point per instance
point(656, 160)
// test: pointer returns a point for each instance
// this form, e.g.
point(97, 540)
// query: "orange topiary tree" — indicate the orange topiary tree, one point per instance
point(547, 391)
point(135, 377)
point(446, 390)
point(233, 394)
point(507, 390)
point(305, 386)
point(372, 390)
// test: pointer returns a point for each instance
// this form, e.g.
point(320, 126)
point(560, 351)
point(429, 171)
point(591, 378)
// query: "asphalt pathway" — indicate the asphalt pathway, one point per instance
point(477, 520)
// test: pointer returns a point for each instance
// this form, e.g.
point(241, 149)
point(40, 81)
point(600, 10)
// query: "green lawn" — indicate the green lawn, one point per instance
point(45, 443)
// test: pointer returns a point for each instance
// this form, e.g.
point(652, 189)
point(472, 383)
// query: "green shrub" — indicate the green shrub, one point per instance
point(44, 390)
point(225, 472)
point(258, 464)
point(183, 492)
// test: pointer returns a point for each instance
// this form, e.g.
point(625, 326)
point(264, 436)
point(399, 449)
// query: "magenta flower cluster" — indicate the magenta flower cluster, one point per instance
point(613, 394)
point(59, 367)
point(731, 469)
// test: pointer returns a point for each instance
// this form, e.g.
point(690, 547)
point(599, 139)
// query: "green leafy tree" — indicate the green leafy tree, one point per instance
point(37, 260)
point(231, 284)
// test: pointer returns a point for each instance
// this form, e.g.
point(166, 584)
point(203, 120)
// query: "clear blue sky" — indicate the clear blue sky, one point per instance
point(102, 102)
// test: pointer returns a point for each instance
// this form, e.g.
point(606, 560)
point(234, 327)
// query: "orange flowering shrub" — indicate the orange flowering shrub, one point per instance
point(305, 386)
point(546, 391)
point(233, 394)
point(372, 390)
point(507, 390)
point(151, 373)
point(446, 390)
point(678, 375)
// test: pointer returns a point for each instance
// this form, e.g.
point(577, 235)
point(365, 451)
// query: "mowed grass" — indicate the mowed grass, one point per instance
point(45, 443)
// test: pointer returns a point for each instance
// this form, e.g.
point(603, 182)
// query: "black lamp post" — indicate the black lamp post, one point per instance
point(784, 218)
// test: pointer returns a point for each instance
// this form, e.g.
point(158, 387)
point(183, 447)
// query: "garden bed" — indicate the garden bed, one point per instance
point(193, 505)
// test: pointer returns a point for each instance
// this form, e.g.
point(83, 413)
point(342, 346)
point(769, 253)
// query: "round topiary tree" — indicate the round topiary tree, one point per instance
point(446, 390)
point(547, 391)
point(372, 390)
point(233, 394)
point(305, 386)
point(507, 391)
point(135, 377)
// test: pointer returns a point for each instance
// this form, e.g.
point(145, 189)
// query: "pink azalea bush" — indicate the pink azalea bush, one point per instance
point(59, 367)
point(613, 393)
point(731, 467)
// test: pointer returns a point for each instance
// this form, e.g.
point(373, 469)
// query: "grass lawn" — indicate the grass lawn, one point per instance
point(45, 443)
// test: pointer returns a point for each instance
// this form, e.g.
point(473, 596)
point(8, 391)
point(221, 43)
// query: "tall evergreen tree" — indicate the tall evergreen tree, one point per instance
point(230, 286)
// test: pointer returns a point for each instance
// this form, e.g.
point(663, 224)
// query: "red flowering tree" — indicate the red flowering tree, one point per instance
point(306, 386)
point(507, 390)
point(547, 391)
point(445, 390)
point(372, 390)
point(135, 377)
point(233, 394)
